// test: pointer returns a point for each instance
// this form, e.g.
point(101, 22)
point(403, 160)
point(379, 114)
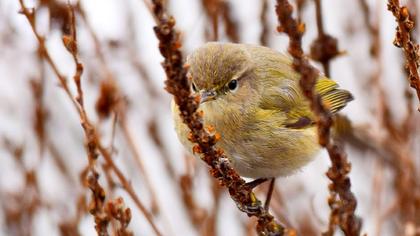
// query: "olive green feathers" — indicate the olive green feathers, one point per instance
point(251, 95)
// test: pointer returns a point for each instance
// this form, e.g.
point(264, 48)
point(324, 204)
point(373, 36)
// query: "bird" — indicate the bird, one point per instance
point(250, 94)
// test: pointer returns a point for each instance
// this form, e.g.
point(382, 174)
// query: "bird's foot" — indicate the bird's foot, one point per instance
point(251, 209)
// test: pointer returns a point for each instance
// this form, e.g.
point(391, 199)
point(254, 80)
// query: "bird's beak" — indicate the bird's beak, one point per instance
point(207, 96)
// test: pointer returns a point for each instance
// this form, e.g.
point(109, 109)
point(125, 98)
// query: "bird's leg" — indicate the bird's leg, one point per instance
point(255, 203)
point(269, 194)
point(251, 185)
point(255, 183)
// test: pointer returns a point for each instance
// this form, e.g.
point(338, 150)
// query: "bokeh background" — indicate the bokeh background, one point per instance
point(43, 158)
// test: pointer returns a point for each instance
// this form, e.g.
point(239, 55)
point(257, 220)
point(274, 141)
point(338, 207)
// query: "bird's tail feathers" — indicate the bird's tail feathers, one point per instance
point(333, 98)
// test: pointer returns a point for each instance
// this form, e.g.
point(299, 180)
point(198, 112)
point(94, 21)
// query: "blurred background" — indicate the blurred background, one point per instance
point(44, 188)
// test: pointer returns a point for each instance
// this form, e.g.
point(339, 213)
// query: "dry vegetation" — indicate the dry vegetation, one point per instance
point(116, 184)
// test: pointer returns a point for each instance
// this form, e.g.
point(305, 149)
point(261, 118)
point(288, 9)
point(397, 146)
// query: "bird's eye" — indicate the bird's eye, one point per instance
point(233, 85)
point(194, 88)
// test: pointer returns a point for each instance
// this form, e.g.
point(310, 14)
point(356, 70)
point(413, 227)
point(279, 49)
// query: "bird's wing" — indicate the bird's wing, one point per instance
point(332, 96)
point(287, 100)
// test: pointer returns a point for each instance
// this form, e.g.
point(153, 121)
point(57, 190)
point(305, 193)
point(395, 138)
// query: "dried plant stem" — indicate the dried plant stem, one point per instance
point(403, 40)
point(134, 57)
point(210, 228)
point(211, 8)
point(325, 47)
point(178, 85)
point(397, 138)
point(221, 8)
point(264, 23)
point(196, 214)
point(40, 113)
point(128, 188)
point(59, 161)
point(30, 15)
point(342, 201)
point(231, 26)
point(98, 49)
point(137, 158)
point(300, 6)
point(152, 92)
point(122, 116)
point(92, 138)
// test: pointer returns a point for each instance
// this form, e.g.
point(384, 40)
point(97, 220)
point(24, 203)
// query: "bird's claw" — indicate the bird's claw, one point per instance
point(251, 209)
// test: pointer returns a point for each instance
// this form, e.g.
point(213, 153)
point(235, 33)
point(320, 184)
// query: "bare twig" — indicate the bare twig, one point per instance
point(231, 26)
point(325, 47)
point(128, 136)
point(264, 23)
point(221, 8)
point(300, 6)
point(403, 40)
point(195, 212)
point(111, 100)
point(211, 10)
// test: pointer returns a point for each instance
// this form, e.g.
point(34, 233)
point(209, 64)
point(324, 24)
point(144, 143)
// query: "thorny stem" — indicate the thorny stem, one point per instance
point(342, 201)
point(403, 40)
point(177, 84)
point(93, 141)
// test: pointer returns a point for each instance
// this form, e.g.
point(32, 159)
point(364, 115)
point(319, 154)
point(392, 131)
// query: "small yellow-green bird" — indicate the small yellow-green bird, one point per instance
point(251, 96)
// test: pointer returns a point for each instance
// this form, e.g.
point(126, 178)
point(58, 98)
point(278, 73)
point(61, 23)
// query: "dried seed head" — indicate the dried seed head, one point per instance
point(70, 44)
point(108, 98)
point(217, 137)
point(409, 25)
point(280, 29)
point(197, 149)
point(404, 13)
point(210, 129)
point(301, 28)
point(191, 136)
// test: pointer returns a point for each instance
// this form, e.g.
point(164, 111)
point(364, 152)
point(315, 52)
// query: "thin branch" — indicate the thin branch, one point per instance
point(110, 88)
point(264, 23)
point(325, 47)
point(403, 40)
